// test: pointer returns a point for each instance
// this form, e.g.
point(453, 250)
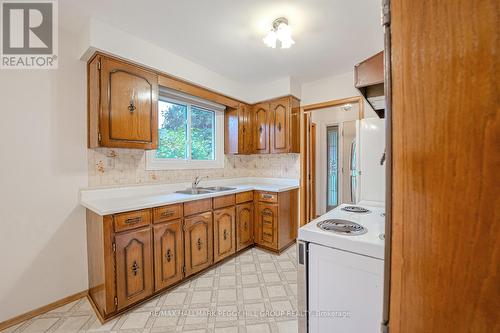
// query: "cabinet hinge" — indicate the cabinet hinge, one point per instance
point(116, 301)
point(114, 247)
point(99, 65)
point(99, 137)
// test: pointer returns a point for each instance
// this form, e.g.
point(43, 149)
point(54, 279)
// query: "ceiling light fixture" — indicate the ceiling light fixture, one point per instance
point(281, 31)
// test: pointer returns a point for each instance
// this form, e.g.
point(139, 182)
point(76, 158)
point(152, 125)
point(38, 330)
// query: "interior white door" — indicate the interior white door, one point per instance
point(345, 291)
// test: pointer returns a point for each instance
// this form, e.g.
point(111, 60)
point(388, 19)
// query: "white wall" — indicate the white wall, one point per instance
point(44, 163)
point(331, 88)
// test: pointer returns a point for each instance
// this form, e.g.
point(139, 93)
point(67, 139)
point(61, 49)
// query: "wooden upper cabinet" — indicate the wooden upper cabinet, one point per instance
point(261, 128)
point(134, 268)
point(224, 233)
point(198, 236)
point(238, 137)
point(123, 105)
point(168, 253)
point(370, 71)
point(280, 111)
point(244, 225)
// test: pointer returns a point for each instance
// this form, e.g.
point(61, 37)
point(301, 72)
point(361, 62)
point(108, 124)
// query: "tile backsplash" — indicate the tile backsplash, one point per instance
point(128, 166)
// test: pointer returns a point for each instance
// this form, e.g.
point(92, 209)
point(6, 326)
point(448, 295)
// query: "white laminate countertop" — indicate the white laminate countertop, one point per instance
point(111, 200)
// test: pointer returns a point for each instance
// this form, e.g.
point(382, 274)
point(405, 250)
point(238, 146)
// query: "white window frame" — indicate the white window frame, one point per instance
point(153, 163)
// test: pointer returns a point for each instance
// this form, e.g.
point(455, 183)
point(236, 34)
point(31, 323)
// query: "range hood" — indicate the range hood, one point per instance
point(369, 80)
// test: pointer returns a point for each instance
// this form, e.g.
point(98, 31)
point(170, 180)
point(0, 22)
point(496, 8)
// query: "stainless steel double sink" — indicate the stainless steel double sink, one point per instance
point(205, 190)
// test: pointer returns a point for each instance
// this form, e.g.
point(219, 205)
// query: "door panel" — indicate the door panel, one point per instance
point(168, 252)
point(261, 128)
point(134, 276)
point(224, 231)
point(349, 179)
point(129, 106)
point(244, 225)
point(279, 126)
point(266, 225)
point(198, 235)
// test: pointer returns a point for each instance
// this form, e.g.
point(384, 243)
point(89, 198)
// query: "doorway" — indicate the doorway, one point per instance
point(332, 167)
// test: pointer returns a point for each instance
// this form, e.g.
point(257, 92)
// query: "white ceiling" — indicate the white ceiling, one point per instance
point(226, 35)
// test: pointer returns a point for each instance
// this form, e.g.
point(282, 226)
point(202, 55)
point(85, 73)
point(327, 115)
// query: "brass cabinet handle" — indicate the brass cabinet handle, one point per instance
point(267, 234)
point(267, 213)
point(279, 127)
point(168, 213)
point(135, 267)
point(198, 243)
point(245, 226)
point(260, 129)
point(169, 255)
point(131, 106)
point(225, 234)
point(133, 220)
point(267, 196)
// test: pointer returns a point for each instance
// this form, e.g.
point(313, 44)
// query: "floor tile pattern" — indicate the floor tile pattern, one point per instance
point(254, 292)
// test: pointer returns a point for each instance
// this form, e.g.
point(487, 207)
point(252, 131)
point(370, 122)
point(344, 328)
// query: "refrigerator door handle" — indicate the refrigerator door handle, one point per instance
point(353, 172)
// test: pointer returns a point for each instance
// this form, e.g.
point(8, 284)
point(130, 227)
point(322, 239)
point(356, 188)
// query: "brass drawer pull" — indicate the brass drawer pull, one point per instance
point(198, 243)
point(133, 220)
point(267, 213)
point(169, 255)
point(135, 267)
point(267, 196)
point(225, 234)
point(267, 234)
point(168, 213)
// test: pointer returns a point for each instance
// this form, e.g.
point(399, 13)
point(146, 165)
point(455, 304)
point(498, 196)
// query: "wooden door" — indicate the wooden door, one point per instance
point(198, 249)
point(312, 151)
point(134, 269)
point(129, 99)
point(244, 225)
point(261, 128)
point(444, 263)
point(279, 125)
point(266, 225)
point(224, 233)
point(168, 253)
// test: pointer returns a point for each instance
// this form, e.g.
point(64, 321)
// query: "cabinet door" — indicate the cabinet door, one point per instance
point(280, 125)
point(224, 233)
point(267, 225)
point(129, 99)
point(261, 129)
point(245, 130)
point(134, 274)
point(168, 253)
point(198, 235)
point(244, 225)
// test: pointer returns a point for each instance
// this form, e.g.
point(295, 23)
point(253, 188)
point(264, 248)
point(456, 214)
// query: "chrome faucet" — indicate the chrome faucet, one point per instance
point(196, 181)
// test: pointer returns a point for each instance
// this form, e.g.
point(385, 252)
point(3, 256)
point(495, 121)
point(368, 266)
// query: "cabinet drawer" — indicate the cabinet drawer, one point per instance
point(224, 201)
point(244, 197)
point(132, 220)
point(167, 213)
point(198, 206)
point(267, 197)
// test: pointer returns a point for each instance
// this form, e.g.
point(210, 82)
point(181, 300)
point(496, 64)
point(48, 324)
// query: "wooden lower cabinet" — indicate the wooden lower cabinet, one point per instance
point(198, 249)
point(134, 269)
point(168, 253)
point(224, 233)
point(134, 255)
point(244, 225)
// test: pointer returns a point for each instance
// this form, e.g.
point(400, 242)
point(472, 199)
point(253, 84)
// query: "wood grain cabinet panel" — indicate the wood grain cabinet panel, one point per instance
point(244, 197)
point(261, 128)
point(198, 236)
point(168, 253)
point(244, 225)
point(132, 220)
point(224, 201)
point(267, 225)
point(238, 136)
point(280, 125)
point(167, 213)
point(224, 233)
point(198, 206)
point(134, 274)
point(126, 113)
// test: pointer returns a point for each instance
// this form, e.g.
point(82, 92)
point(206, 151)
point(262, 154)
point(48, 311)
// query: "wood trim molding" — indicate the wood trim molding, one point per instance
point(337, 102)
point(41, 310)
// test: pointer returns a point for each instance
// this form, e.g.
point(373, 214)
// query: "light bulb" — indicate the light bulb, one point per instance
point(270, 39)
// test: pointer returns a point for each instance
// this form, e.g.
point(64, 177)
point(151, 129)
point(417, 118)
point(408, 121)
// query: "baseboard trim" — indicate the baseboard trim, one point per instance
point(41, 310)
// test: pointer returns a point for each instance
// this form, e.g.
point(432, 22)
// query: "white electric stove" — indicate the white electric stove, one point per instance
point(341, 267)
